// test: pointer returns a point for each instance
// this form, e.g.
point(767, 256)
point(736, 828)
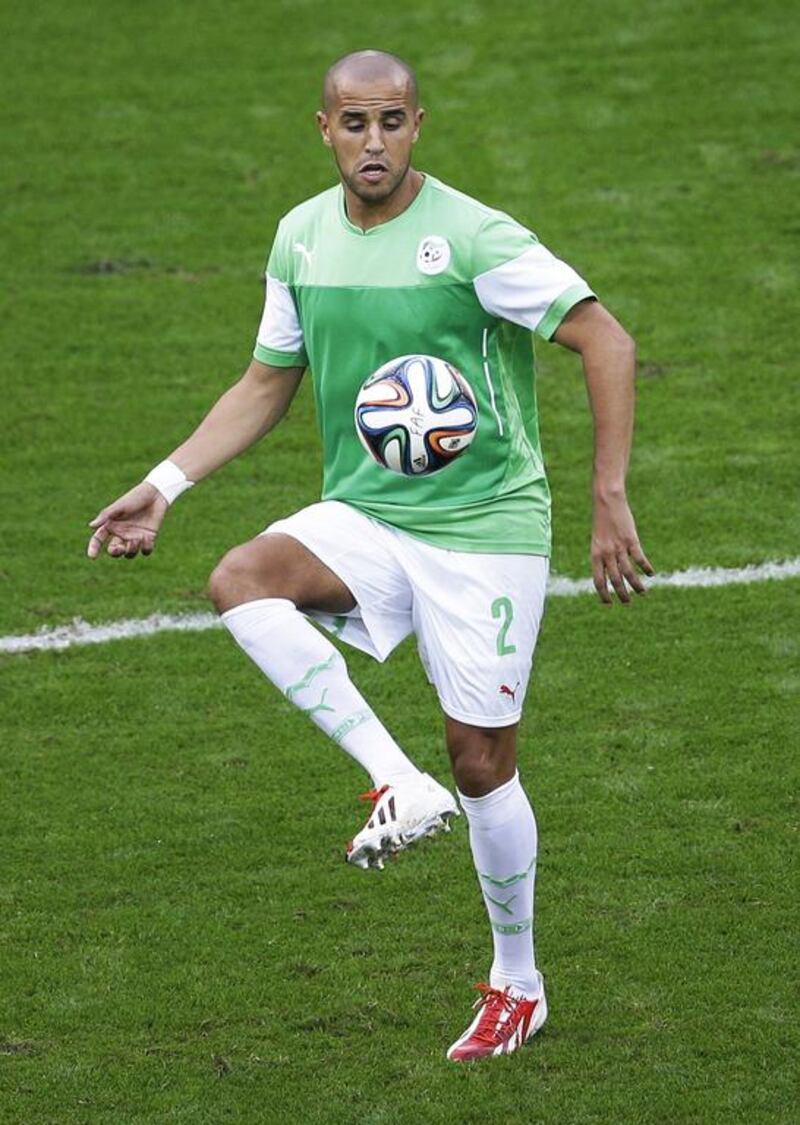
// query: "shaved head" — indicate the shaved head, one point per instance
point(368, 66)
point(371, 118)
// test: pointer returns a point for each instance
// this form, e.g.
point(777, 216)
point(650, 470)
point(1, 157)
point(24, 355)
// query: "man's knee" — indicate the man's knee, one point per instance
point(482, 758)
point(236, 579)
point(277, 566)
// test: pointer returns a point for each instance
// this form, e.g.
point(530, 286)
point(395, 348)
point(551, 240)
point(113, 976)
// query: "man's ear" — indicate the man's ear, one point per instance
point(418, 116)
point(322, 122)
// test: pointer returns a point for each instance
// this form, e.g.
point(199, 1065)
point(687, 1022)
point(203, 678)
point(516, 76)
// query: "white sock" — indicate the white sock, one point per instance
point(312, 674)
point(503, 838)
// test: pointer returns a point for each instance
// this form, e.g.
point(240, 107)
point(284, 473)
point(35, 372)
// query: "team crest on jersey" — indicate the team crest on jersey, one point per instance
point(433, 255)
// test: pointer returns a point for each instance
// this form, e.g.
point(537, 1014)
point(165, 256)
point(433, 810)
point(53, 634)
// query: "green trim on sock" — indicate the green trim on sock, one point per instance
point(512, 927)
point(309, 675)
point(502, 905)
point(512, 879)
point(350, 723)
point(321, 706)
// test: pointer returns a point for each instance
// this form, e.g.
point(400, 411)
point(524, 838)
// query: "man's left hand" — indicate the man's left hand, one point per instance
point(616, 550)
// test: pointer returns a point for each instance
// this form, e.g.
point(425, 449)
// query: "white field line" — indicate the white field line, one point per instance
point(80, 632)
point(688, 579)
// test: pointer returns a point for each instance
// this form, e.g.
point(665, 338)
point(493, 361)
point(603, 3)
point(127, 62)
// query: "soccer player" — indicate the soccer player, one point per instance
point(392, 262)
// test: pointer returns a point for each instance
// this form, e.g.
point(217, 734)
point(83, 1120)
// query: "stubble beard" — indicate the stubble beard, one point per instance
point(376, 195)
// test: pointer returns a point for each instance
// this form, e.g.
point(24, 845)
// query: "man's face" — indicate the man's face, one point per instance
point(371, 125)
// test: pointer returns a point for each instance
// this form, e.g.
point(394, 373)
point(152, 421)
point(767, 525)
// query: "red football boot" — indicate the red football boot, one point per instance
point(503, 1023)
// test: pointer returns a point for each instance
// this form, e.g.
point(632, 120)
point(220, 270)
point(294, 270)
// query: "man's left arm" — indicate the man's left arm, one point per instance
point(609, 361)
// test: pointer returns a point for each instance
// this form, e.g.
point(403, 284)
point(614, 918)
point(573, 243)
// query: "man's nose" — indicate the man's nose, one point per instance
point(374, 139)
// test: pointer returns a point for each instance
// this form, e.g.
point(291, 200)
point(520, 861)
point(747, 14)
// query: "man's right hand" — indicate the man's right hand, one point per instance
point(247, 411)
point(129, 526)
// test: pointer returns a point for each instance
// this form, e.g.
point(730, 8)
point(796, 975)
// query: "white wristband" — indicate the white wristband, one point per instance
point(170, 480)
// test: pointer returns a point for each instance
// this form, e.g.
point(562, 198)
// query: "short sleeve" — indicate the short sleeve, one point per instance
point(518, 279)
point(280, 335)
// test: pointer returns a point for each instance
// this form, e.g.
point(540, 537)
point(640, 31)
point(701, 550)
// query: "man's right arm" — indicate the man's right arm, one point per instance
point(245, 413)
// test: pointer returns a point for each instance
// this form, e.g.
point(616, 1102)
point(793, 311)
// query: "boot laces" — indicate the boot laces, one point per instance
point(494, 1003)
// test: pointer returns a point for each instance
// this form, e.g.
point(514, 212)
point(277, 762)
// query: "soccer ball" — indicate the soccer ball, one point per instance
point(416, 414)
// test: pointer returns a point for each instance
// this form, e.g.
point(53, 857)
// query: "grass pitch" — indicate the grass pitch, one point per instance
point(180, 939)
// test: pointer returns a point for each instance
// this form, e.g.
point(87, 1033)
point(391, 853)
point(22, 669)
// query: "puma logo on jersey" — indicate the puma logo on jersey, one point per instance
point(510, 692)
point(308, 255)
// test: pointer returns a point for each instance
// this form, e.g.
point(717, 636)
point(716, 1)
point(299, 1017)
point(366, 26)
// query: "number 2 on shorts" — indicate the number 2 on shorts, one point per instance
point(503, 608)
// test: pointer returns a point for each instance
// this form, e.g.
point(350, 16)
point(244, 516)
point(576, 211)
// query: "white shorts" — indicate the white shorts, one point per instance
point(476, 616)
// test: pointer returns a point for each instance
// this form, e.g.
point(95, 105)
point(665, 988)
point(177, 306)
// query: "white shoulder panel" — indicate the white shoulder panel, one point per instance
point(280, 327)
point(523, 289)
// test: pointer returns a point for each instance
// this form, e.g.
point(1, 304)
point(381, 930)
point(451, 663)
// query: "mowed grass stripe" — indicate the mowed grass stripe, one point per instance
point(82, 633)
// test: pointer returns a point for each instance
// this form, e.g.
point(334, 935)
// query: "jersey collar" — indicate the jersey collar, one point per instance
point(389, 222)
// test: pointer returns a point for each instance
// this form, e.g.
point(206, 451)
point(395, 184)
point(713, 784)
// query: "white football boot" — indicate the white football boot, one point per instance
point(401, 815)
point(505, 1022)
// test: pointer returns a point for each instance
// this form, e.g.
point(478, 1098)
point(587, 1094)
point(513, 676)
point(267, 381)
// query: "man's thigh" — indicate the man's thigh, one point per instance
point(360, 552)
point(477, 618)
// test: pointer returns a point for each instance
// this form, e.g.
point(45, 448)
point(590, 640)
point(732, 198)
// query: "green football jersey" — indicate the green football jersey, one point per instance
point(448, 277)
